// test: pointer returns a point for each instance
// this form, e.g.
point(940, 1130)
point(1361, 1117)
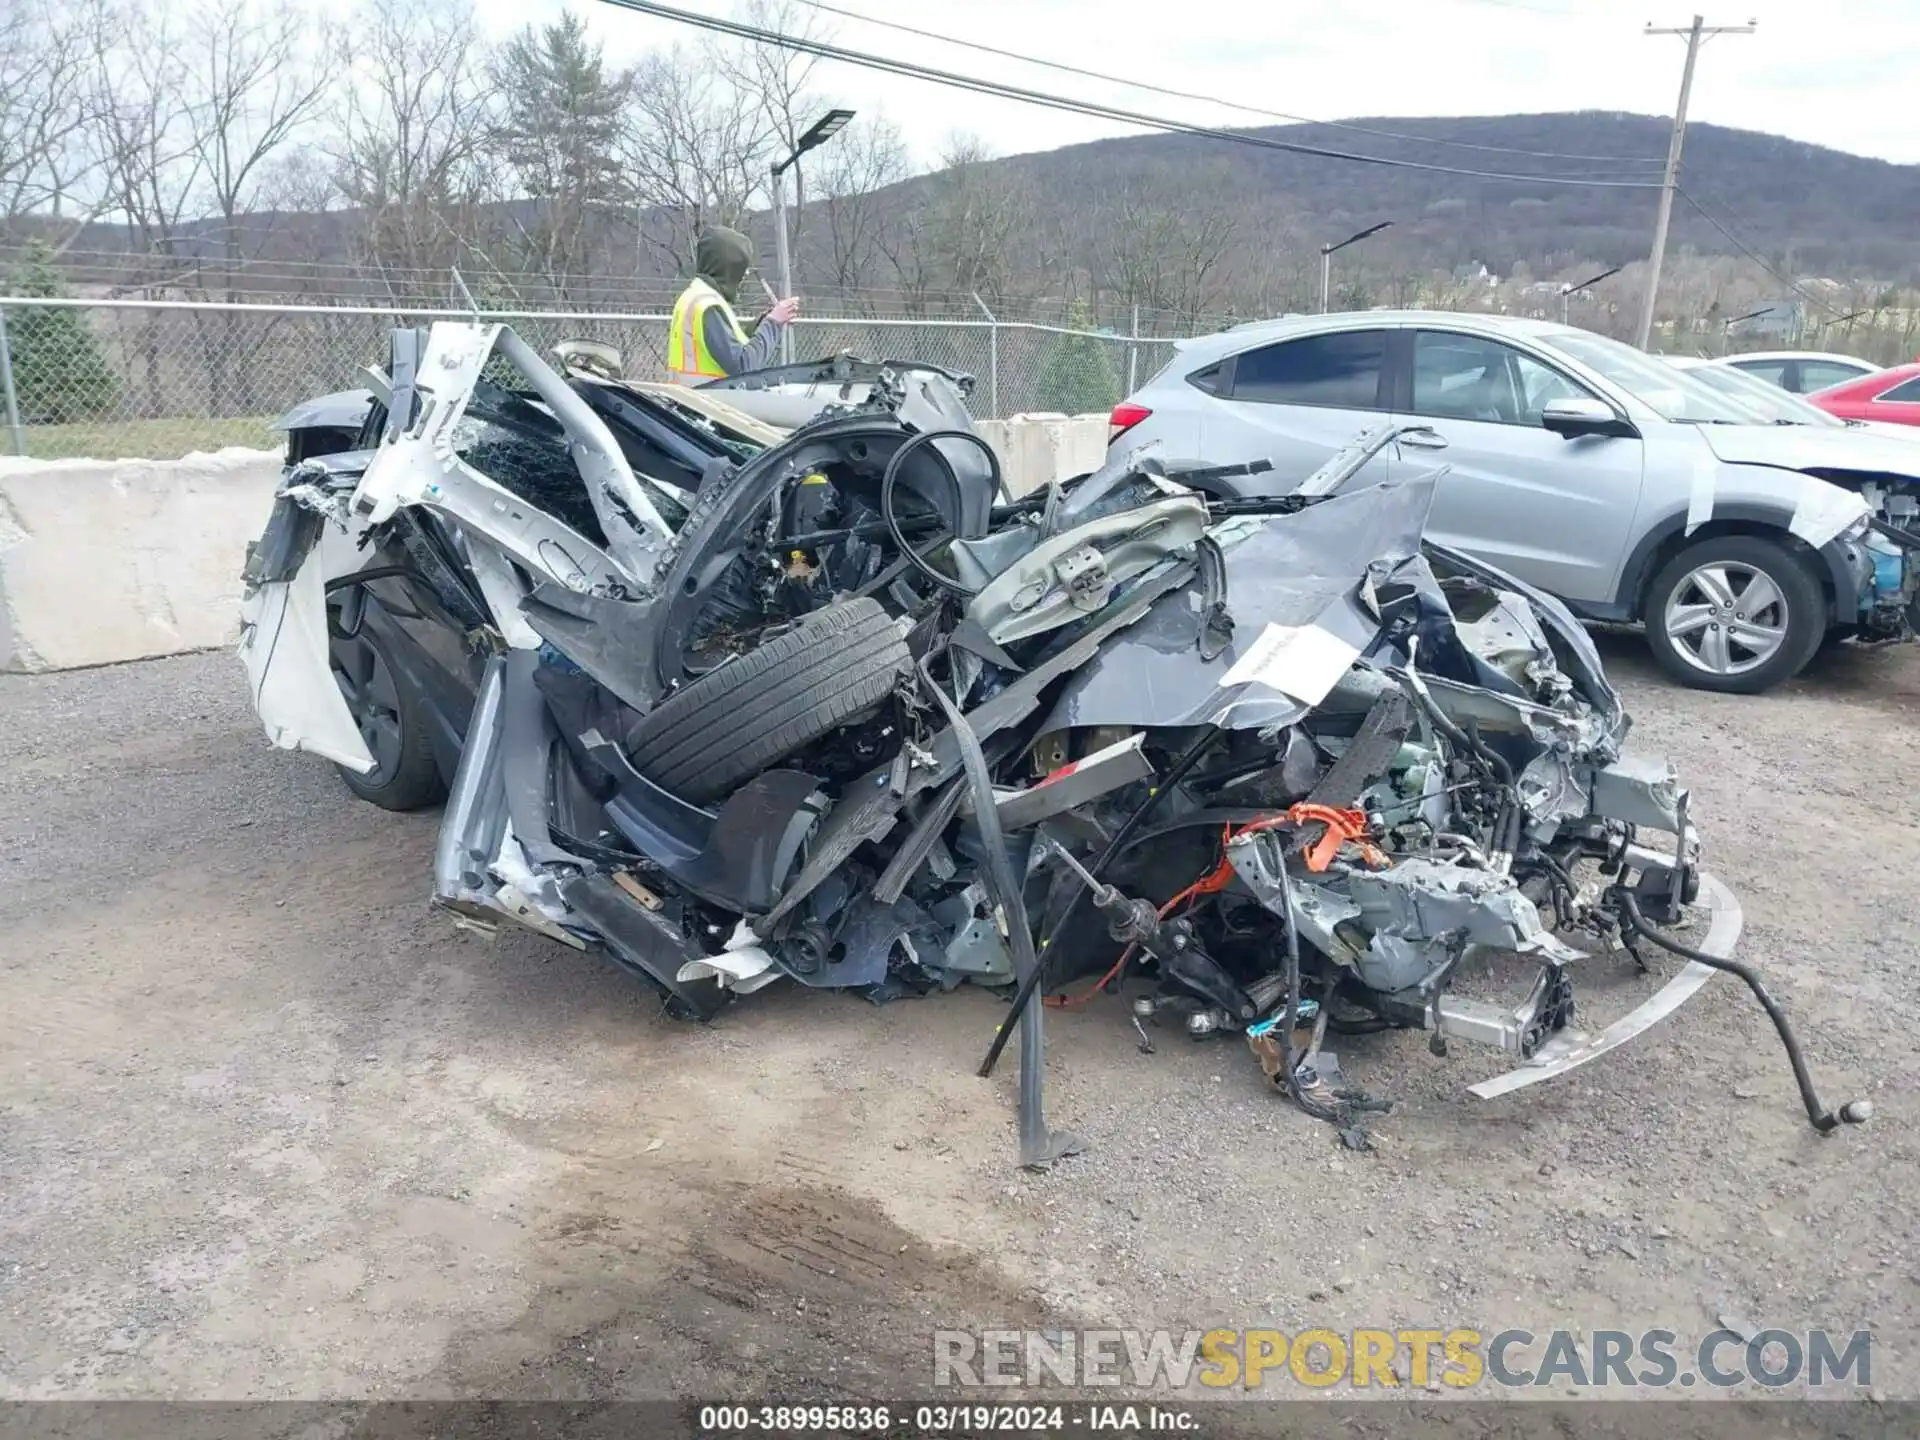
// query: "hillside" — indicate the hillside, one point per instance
point(1180, 226)
point(1822, 211)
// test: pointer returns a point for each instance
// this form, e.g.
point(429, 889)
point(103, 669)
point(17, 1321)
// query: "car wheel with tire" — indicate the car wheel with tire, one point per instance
point(388, 714)
point(720, 730)
point(1735, 613)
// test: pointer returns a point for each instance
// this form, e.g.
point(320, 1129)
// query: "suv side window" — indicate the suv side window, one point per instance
point(1340, 371)
point(1465, 377)
point(1774, 372)
point(1820, 374)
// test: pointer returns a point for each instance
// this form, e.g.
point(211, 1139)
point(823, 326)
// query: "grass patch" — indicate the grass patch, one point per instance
point(144, 439)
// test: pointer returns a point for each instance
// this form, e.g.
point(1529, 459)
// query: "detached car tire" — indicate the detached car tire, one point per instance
point(724, 728)
point(1735, 613)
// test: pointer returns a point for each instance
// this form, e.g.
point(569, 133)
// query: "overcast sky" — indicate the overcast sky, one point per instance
point(1839, 73)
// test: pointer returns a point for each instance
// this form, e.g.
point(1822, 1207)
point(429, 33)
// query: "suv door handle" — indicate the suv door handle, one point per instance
point(1424, 440)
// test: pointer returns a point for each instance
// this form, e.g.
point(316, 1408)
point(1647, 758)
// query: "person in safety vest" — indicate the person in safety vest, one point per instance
point(707, 341)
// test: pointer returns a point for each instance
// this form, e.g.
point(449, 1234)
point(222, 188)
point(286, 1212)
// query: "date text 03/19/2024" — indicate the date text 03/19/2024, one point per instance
point(944, 1419)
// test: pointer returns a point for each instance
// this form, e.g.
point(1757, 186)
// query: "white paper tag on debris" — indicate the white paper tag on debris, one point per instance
point(1304, 661)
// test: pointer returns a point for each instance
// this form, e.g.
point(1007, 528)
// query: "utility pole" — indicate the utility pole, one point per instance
point(1697, 34)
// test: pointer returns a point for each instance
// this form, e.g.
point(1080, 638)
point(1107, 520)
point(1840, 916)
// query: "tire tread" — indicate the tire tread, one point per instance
point(732, 723)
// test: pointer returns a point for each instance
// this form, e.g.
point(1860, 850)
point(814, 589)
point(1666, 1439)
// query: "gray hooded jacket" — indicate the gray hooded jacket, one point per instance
point(722, 258)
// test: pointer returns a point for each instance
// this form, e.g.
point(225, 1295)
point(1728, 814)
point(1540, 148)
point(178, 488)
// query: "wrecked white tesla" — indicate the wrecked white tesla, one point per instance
point(850, 716)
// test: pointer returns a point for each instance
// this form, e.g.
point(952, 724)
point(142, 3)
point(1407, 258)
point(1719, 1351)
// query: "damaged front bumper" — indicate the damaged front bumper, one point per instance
point(1571, 1048)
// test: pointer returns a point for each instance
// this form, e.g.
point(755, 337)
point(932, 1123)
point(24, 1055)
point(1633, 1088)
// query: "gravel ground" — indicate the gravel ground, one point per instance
point(270, 1129)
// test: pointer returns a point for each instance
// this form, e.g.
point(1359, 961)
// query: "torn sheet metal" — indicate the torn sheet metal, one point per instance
point(1072, 786)
point(1295, 571)
point(741, 965)
point(503, 590)
point(1077, 572)
point(1573, 1048)
point(475, 818)
point(288, 659)
point(527, 896)
point(1419, 909)
point(1642, 790)
point(419, 465)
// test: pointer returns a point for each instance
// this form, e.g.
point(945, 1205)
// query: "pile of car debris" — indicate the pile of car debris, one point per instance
point(735, 706)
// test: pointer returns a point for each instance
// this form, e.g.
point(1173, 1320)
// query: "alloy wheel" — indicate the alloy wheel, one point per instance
point(1727, 618)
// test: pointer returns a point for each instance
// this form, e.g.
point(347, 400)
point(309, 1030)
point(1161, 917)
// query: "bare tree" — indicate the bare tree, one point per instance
point(856, 177)
point(1161, 243)
point(771, 83)
point(142, 137)
point(409, 140)
point(968, 236)
point(255, 73)
point(44, 107)
point(693, 154)
point(705, 128)
point(147, 173)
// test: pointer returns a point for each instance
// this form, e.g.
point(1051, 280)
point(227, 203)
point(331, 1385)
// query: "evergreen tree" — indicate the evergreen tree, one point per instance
point(562, 112)
point(1078, 377)
point(59, 372)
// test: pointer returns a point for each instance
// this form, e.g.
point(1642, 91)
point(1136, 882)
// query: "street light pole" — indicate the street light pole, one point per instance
point(1567, 292)
point(781, 256)
point(818, 133)
point(1326, 259)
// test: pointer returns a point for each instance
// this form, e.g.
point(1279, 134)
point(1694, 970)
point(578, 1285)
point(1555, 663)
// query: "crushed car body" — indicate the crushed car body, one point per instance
point(843, 713)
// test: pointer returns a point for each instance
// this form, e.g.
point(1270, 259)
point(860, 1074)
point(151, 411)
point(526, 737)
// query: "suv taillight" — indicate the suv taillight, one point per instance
point(1125, 416)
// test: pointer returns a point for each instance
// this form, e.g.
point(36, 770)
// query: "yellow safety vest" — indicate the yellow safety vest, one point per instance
point(689, 361)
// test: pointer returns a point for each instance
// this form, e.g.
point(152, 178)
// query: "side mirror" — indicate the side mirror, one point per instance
point(1582, 415)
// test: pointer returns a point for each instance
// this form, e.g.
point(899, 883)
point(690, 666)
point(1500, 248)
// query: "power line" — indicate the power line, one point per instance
point(979, 86)
point(1066, 69)
point(1753, 254)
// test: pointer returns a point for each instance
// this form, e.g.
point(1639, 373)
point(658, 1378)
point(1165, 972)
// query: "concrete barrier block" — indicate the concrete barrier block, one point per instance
point(1036, 449)
point(110, 560)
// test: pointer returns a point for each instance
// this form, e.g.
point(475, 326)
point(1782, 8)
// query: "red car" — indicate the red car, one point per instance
point(1886, 395)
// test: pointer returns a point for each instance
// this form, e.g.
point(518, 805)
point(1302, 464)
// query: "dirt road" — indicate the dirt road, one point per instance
point(271, 1129)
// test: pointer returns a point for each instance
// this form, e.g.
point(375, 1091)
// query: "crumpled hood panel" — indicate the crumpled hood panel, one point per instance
point(1298, 571)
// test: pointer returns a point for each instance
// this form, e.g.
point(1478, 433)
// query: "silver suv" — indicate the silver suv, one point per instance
point(1593, 470)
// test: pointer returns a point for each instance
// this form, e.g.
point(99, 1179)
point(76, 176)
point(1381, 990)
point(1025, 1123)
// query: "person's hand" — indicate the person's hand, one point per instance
point(783, 311)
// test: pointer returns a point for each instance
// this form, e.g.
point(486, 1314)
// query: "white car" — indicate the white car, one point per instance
point(1773, 406)
point(1800, 372)
point(1592, 470)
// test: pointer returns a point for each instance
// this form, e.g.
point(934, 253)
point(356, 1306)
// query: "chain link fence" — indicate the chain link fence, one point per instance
point(114, 379)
